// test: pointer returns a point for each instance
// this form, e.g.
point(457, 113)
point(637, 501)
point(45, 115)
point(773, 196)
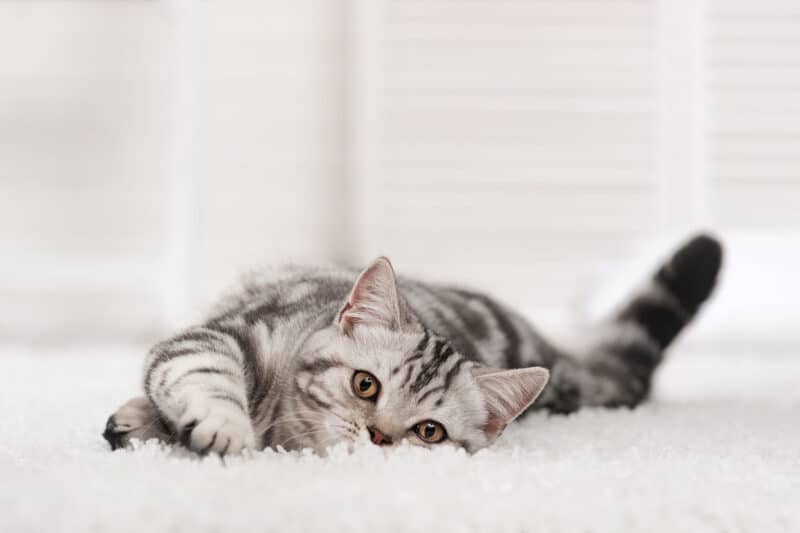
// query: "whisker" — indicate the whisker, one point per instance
point(289, 418)
point(314, 431)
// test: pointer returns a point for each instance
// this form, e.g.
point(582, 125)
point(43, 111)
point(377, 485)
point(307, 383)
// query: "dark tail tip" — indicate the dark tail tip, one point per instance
point(691, 273)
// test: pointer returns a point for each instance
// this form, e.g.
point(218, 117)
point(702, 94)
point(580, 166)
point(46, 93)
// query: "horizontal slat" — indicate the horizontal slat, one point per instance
point(606, 77)
point(477, 56)
point(721, 10)
point(755, 53)
point(738, 75)
point(509, 177)
point(764, 28)
point(517, 11)
point(517, 153)
point(742, 147)
point(549, 104)
point(773, 119)
point(534, 32)
point(759, 205)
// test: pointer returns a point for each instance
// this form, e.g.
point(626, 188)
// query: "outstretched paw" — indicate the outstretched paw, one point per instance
point(137, 419)
point(211, 427)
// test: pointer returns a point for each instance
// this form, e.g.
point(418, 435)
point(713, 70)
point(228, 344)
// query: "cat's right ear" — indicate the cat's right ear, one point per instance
point(374, 299)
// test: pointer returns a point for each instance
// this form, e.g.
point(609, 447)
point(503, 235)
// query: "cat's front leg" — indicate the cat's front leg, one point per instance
point(197, 381)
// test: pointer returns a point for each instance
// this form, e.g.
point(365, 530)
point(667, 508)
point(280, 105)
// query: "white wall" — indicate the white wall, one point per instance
point(151, 150)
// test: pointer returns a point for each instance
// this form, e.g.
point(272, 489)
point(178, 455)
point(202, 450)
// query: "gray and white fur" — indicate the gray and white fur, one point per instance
point(281, 362)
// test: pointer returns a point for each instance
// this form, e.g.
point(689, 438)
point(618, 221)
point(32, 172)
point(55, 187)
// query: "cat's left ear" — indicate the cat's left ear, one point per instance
point(373, 300)
point(507, 393)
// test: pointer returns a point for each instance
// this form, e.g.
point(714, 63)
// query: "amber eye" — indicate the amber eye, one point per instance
point(430, 431)
point(365, 385)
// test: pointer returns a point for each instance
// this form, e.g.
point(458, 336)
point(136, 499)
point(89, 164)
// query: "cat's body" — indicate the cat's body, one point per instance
point(308, 357)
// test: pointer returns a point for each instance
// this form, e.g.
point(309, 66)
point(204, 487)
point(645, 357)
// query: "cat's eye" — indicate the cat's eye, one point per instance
point(365, 385)
point(430, 431)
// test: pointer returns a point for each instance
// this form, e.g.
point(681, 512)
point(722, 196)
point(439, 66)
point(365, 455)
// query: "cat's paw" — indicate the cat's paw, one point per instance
point(137, 419)
point(216, 427)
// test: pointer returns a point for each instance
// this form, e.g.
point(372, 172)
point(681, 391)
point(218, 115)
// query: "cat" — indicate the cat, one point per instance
point(311, 357)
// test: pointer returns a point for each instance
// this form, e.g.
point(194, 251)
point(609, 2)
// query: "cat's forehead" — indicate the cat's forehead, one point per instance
point(383, 347)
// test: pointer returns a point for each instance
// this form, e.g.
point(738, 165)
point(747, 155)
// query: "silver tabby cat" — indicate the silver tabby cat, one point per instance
point(311, 357)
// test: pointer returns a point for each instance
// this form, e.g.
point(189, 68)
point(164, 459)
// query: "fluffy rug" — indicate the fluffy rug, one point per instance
point(717, 449)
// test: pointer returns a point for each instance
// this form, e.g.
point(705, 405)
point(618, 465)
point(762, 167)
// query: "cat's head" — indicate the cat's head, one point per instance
point(376, 374)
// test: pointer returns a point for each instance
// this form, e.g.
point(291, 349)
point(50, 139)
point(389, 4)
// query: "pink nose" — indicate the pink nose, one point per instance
point(377, 437)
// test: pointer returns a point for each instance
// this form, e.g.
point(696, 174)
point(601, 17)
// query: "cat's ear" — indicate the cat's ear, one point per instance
point(507, 393)
point(373, 300)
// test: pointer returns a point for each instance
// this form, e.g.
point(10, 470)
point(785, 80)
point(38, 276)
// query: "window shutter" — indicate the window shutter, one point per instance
point(508, 145)
point(754, 94)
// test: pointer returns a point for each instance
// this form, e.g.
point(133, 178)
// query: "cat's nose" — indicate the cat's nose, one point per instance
point(378, 437)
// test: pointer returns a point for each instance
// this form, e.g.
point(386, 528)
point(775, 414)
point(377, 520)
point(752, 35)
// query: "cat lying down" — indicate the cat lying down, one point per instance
point(307, 357)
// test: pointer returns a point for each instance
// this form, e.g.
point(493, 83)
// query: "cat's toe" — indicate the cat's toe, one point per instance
point(219, 432)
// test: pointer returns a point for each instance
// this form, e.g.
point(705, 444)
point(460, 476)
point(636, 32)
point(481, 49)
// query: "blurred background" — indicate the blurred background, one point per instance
point(151, 150)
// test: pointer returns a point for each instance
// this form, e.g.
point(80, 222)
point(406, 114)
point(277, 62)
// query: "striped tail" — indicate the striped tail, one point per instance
point(654, 317)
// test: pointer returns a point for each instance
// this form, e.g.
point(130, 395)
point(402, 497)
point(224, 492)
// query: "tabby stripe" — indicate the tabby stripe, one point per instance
point(419, 353)
point(438, 346)
point(446, 352)
point(204, 370)
point(631, 387)
point(268, 309)
point(472, 325)
point(316, 399)
point(164, 377)
point(206, 341)
point(661, 322)
point(641, 359)
point(257, 385)
point(667, 280)
point(319, 366)
point(429, 392)
point(448, 378)
point(430, 369)
point(408, 376)
point(205, 337)
point(423, 344)
point(505, 325)
point(164, 361)
point(228, 398)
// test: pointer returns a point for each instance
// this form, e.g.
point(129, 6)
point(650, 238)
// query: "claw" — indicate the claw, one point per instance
point(205, 450)
point(186, 432)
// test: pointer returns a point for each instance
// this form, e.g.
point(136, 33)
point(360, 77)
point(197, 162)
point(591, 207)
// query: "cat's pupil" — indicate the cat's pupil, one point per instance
point(430, 429)
point(365, 384)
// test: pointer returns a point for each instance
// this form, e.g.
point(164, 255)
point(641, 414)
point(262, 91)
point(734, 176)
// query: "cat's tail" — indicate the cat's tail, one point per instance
point(636, 336)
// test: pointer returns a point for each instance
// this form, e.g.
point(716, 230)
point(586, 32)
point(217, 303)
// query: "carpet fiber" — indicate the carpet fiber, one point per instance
point(717, 449)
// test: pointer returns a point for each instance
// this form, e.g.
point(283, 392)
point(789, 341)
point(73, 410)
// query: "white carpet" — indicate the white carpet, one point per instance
point(718, 449)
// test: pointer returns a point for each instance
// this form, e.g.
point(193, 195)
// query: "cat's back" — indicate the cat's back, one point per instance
point(480, 326)
point(307, 296)
point(284, 291)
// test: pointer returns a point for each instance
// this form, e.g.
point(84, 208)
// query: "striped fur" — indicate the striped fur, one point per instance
point(273, 364)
